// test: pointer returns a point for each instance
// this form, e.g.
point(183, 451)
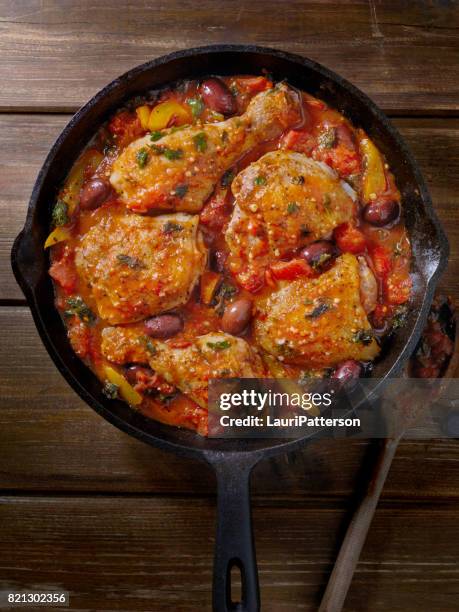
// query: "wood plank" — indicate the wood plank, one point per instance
point(26, 139)
point(140, 553)
point(51, 441)
point(58, 54)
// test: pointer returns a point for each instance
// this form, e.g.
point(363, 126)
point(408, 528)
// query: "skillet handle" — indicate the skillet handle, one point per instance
point(234, 546)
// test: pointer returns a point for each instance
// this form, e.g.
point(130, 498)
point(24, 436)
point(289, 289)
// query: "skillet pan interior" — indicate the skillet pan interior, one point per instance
point(30, 262)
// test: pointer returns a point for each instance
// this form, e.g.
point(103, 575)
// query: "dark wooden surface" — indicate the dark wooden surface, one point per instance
point(126, 527)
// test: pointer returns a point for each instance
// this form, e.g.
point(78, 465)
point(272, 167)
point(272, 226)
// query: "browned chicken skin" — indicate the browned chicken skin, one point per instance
point(284, 201)
point(214, 355)
point(180, 170)
point(139, 266)
point(317, 323)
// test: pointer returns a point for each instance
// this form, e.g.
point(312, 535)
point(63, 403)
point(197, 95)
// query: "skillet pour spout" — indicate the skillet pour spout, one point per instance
point(232, 460)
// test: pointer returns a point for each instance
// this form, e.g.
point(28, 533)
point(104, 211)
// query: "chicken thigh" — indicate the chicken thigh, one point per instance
point(214, 355)
point(180, 170)
point(140, 266)
point(319, 322)
point(284, 201)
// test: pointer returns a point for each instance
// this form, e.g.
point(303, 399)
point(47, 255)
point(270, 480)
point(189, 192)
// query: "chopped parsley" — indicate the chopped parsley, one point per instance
point(131, 262)
point(292, 208)
point(227, 178)
point(142, 157)
point(196, 105)
point(365, 336)
point(77, 306)
point(170, 154)
point(60, 214)
point(327, 138)
point(318, 262)
point(109, 148)
point(200, 142)
point(400, 317)
point(176, 128)
point(171, 226)
point(156, 135)
point(321, 306)
point(181, 190)
point(304, 377)
point(260, 180)
point(221, 345)
point(224, 293)
point(110, 390)
point(151, 348)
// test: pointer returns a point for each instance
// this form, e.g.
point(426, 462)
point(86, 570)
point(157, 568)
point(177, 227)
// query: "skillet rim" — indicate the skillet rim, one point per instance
point(213, 452)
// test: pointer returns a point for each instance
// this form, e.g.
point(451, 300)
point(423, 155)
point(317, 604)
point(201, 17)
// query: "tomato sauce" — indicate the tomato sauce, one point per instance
point(325, 135)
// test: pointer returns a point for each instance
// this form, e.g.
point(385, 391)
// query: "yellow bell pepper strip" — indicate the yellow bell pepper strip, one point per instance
point(127, 392)
point(71, 191)
point(58, 235)
point(143, 113)
point(374, 177)
point(161, 115)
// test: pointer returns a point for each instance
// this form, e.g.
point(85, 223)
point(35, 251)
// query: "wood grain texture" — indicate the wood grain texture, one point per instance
point(127, 527)
point(25, 141)
point(51, 441)
point(56, 55)
point(140, 553)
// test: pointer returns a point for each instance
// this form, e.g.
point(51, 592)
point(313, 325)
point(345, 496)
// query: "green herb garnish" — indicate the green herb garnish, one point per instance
point(154, 136)
point(110, 390)
point(304, 377)
point(171, 226)
point(400, 318)
point(142, 157)
point(60, 214)
point(298, 180)
point(200, 142)
point(365, 336)
point(320, 261)
point(170, 154)
point(132, 262)
point(148, 344)
point(292, 208)
point(224, 293)
point(151, 348)
point(327, 138)
point(221, 345)
point(227, 178)
point(321, 306)
point(181, 190)
point(78, 307)
point(260, 180)
point(196, 105)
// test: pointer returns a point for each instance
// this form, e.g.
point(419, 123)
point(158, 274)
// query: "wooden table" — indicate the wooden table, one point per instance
point(126, 527)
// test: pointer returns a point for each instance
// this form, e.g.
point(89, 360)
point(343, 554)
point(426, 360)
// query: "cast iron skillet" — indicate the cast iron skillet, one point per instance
point(232, 460)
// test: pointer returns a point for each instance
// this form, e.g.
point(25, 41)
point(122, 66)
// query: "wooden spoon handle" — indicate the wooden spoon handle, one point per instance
point(346, 562)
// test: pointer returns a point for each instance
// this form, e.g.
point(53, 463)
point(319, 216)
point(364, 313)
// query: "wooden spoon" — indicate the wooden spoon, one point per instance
point(351, 547)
